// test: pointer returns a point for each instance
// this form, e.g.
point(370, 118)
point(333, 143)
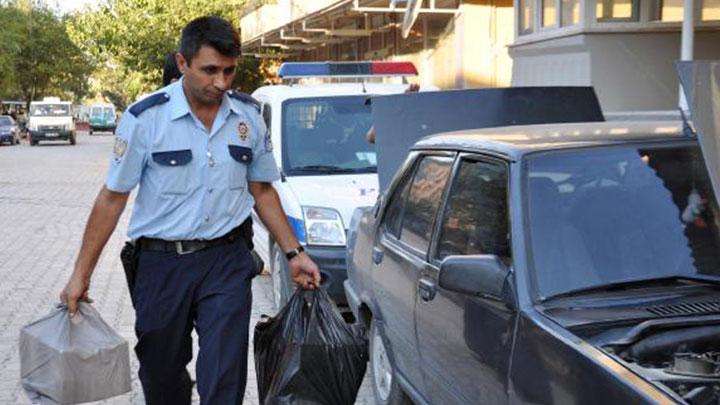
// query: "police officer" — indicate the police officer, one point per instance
point(201, 156)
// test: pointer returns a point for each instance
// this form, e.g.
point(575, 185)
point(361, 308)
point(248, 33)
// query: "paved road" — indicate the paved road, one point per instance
point(46, 193)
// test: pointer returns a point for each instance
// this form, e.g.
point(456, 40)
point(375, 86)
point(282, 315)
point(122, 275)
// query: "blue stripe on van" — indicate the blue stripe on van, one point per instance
point(298, 227)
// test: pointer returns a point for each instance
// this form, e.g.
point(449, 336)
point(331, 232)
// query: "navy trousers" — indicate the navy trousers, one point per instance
point(209, 290)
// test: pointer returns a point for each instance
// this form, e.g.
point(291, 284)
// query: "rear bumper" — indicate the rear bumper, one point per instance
point(102, 127)
point(333, 270)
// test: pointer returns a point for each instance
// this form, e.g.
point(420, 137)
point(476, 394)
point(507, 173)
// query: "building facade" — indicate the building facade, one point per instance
point(624, 48)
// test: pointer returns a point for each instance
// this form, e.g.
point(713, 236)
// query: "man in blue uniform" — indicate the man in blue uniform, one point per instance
point(201, 156)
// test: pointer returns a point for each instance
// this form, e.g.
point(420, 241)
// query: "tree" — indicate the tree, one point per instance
point(129, 39)
point(37, 57)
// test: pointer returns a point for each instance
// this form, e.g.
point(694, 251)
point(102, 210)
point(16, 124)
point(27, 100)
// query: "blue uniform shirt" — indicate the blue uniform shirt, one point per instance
point(193, 181)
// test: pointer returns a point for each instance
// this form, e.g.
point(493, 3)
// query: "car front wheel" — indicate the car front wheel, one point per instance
point(386, 389)
point(280, 274)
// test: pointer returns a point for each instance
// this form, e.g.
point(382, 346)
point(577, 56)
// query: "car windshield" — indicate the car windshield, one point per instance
point(50, 110)
point(5, 122)
point(620, 214)
point(327, 135)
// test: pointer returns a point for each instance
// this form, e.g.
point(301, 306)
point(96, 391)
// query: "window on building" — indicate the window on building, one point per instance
point(476, 215)
point(668, 10)
point(527, 16)
point(569, 12)
point(710, 10)
point(423, 201)
point(608, 10)
point(549, 13)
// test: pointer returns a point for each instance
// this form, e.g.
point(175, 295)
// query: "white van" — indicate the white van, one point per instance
point(327, 166)
point(51, 120)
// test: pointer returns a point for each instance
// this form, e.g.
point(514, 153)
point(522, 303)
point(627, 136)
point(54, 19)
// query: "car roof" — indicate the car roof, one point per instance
point(516, 141)
point(283, 92)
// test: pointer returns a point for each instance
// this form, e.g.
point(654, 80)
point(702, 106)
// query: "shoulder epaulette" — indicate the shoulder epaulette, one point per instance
point(147, 102)
point(245, 98)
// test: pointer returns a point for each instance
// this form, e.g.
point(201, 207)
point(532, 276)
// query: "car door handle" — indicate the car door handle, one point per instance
point(377, 255)
point(427, 289)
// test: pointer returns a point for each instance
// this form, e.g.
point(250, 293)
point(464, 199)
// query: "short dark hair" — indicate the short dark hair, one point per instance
point(170, 69)
point(211, 31)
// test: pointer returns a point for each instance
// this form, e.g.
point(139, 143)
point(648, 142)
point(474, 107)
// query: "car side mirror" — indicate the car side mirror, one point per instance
point(480, 275)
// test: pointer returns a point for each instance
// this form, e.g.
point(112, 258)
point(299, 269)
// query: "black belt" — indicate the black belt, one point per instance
point(183, 247)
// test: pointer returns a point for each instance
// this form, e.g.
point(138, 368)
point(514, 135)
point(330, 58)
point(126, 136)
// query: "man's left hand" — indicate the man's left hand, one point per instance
point(304, 272)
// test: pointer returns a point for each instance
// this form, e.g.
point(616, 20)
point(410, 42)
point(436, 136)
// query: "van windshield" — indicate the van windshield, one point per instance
point(49, 110)
point(327, 135)
point(613, 215)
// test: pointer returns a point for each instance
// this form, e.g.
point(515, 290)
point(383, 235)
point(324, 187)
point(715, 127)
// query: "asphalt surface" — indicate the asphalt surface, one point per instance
point(46, 194)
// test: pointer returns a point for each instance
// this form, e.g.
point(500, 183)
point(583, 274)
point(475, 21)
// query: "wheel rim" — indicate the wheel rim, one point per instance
point(382, 371)
point(277, 281)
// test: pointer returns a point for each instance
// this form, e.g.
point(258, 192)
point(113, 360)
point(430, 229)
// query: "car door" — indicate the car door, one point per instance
point(465, 340)
point(400, 254)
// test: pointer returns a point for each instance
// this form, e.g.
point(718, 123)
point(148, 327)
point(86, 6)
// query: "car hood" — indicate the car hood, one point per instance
point(669, 337)
point(343, 193)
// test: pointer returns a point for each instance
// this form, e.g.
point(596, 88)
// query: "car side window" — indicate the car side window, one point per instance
point(423, 200)
point(475, 220)
point(393, 213)
point(267, 115)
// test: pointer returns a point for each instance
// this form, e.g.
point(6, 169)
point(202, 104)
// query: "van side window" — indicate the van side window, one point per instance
point(423, 200)
point(267, 115)
point(476, 215)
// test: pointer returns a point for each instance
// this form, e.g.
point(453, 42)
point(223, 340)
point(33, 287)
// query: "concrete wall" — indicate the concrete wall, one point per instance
point(472, 51)
point(631, 71)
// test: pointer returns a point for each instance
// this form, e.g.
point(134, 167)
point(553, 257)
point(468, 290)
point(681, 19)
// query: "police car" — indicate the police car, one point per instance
point(328, 168)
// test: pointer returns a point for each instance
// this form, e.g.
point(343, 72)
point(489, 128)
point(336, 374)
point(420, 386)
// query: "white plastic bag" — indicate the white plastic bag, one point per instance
point(73, 360)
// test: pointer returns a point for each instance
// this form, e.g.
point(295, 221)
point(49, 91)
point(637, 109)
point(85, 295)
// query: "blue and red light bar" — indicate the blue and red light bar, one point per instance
point(346, 69)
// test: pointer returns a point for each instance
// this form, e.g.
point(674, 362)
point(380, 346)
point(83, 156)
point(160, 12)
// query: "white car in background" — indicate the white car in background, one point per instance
point(51, 120)
point(327, 166)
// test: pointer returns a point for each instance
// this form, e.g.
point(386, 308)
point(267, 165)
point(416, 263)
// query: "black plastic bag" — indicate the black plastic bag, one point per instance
point(308, 354)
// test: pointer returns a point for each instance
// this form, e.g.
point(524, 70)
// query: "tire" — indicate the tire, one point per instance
point(90, 132)
point(280, 274)
point(33, 143)
point(385, 387)
point(73, 141)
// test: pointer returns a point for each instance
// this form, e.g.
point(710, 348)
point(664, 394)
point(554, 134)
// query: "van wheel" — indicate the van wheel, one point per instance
point(386, 389)
point(280, 273)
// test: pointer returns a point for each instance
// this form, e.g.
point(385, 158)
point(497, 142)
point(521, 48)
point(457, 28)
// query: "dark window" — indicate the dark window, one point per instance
point(423, 200)
point(267, 115)
point(476, 215)
point(610, 215)
point(393, 215)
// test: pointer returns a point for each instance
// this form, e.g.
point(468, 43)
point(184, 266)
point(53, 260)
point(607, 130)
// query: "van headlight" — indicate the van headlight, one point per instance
point(323, 226)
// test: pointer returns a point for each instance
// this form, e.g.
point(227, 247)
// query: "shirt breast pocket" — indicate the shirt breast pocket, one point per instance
point(174, 170)
point(241, 158)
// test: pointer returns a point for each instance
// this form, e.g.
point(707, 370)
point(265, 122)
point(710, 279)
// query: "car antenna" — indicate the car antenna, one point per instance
point(688, 130)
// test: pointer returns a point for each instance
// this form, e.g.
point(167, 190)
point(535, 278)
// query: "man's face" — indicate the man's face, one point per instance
point(208, 76)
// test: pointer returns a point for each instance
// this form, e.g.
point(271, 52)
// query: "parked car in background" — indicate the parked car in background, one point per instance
point(9, 130)
point(560, 263)
point(317, 131)
point(51, 120)
point(102, 118)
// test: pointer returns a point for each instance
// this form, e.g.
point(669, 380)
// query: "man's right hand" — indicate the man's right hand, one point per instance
point(75, 291)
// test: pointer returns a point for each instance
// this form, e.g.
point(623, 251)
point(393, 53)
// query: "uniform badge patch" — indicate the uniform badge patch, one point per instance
point(119, 148)
point(243, 131)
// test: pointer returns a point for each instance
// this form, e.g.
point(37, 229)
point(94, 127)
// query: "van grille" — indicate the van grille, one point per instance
point(685, 309)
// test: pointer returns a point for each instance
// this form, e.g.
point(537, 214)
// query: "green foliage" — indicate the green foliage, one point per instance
point(129, 39)
point(37, 58)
